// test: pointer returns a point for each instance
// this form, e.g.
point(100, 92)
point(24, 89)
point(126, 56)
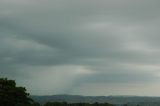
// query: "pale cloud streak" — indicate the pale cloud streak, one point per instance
point(71, 46)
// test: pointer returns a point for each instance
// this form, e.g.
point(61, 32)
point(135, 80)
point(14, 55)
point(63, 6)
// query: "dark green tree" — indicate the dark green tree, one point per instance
point(11, 95)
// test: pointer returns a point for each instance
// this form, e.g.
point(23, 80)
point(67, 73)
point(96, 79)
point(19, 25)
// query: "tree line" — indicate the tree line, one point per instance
point(12, 95)
point(76, 104)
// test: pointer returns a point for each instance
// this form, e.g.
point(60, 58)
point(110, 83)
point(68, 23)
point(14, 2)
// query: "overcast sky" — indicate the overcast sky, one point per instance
point(84, 47)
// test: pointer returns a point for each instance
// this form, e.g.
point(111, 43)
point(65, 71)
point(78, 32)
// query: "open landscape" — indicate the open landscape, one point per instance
point(116, 100)
point(79, 52)
point(12, 95)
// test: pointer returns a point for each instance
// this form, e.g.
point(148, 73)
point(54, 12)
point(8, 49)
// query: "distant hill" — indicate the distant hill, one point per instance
point(119, 100)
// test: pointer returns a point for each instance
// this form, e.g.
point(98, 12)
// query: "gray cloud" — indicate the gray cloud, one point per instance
point(58, 46)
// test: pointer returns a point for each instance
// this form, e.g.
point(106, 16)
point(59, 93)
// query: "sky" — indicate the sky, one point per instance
point(81, 47)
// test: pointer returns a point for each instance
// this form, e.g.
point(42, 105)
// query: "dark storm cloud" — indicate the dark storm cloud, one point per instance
point(113, 41)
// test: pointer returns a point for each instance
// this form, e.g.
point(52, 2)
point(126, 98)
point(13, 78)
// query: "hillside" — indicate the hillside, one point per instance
point(119, 100)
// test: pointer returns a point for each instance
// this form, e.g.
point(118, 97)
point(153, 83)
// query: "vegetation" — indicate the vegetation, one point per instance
point(76, 104)
point(11, 95)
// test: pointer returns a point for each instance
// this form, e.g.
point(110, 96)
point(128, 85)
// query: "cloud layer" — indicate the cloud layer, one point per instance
point(71, 47)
